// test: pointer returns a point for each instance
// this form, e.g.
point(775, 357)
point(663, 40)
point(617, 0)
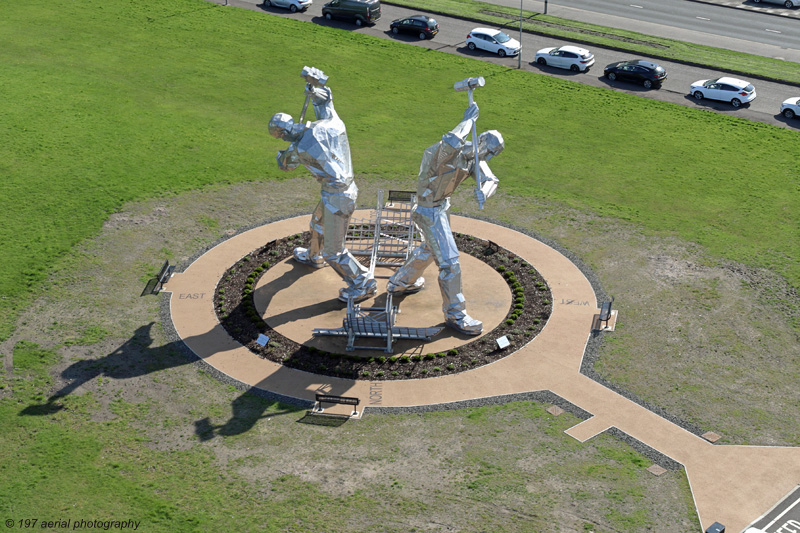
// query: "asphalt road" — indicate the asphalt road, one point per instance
point(453, 32)
point(758, 24)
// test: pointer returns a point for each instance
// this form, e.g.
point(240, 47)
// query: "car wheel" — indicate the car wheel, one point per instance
point(575, 68)
point(698, 95)
point(267, 3)
point(788, 113)
point(501, 53)
point(359, 22)
point(293, 8)
point(422, 36)
point(647, 84)
point(395, 30)
point(328, 16)
point(756, 1)
point(788, 4)
point(471, 46)
point(736, 102)
point(611, 76)
point(542, 61)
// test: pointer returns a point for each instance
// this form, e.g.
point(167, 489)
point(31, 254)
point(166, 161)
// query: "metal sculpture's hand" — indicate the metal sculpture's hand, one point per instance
point(318, 95)
point(288, 159)
point(480, 196)
point(472, 112)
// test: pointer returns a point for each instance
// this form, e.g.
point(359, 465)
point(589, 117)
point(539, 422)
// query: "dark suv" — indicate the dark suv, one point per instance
point(360, 11)
point(424, 27)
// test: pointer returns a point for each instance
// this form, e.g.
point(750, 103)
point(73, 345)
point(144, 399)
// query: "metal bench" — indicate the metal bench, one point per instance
point(330, 398)
point(605, 311)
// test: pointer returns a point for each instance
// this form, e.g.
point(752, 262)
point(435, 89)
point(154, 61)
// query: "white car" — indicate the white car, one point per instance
point(788, 4)
point(572, 57)
point(732, 90)
point(292, 5)
point(494, 41)
point(790, 107)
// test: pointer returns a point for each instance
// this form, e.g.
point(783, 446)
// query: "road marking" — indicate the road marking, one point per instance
point(702, 18)
point(792, 506)
point(637, 7)
point(772, 31)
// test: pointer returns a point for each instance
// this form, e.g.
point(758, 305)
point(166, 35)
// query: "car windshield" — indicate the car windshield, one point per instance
point(749, 88)
point(431, 23)
point(587, 55)
point(660, 69)
point(710, 82)
point(502, 37)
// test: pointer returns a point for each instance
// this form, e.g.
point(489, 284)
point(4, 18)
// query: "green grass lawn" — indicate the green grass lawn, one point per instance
point(110, 101)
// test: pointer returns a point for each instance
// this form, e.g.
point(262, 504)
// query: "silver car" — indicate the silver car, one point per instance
point(788, 4)
point(292, 5)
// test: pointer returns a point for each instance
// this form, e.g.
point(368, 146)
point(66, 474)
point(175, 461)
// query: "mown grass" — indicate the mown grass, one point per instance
point(111, 101)
point(638, 43)
point(67, 464)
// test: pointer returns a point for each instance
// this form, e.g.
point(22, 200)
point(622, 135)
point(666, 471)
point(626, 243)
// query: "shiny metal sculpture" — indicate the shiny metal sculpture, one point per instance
point(322, 147)
point(445, 165)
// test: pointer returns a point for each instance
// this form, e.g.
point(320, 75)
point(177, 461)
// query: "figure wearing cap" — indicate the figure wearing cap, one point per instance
point(322, 147)
point(445, 165)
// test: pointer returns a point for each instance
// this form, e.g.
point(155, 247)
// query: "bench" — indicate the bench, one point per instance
point(330, 398)
point(605, 311)
point(154, 285)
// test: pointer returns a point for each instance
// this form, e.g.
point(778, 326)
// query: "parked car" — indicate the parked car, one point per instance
point(359, 11)
point(786, 3)
point(494, 41)
point(725, 89)
point(292, 5)
point(424, 27)
point(572, 57)
point(647, 73)
point(790, 107)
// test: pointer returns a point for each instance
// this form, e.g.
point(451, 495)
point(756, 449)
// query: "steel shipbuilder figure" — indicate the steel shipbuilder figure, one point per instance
point(445, 165)
point(322, 147)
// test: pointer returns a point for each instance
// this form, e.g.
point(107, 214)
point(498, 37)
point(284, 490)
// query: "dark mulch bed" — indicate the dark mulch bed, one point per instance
point(526, 317)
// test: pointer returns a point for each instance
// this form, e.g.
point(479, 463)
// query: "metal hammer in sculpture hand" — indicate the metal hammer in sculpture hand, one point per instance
point(314, 78)
point(468, 85)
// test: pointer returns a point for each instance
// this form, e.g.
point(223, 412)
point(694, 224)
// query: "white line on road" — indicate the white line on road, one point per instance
point(773, 31)
point(702, 18)
point(637, 7)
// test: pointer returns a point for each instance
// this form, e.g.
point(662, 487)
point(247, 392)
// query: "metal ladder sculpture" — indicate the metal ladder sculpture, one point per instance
point(388, 236)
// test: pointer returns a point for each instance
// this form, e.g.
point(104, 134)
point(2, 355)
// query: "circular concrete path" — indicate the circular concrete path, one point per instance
point(294, 299)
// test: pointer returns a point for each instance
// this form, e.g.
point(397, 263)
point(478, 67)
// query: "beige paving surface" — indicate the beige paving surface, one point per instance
point(731, 484)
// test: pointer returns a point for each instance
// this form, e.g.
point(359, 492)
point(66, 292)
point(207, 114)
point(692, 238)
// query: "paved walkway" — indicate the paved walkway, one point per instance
point(733, 485)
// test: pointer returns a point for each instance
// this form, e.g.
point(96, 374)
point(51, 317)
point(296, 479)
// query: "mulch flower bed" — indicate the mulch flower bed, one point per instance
point(527, 315)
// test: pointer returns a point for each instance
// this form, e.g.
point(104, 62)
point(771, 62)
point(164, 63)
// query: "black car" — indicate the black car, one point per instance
point(645, 72)
point(424, 27)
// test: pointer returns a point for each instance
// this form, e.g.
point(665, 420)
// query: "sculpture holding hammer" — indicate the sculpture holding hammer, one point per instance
point(445, 165)
point(322, 147)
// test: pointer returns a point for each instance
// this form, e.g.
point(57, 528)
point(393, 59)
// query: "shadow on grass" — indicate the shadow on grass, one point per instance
point(324, 420)
point(132, 359)
point(248, 409)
